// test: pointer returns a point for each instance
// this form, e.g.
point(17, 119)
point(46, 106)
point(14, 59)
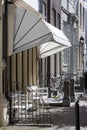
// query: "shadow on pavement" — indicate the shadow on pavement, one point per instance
point(65, 116)
point(83, 111)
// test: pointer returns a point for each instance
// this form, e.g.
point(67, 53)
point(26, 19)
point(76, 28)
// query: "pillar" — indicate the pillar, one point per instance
point(24, 71)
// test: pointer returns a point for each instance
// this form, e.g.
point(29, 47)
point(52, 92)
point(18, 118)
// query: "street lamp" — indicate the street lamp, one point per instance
point(81, 40)
point(81, 46)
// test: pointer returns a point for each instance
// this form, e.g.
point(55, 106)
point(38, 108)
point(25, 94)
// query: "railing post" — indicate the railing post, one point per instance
point(77, 115)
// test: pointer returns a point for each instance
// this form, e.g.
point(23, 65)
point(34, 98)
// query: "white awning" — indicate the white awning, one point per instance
point(32, 30)
point(56, 42)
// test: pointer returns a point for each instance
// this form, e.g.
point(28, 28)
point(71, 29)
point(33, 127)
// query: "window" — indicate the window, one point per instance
point(83, 16)
point(80, 14)
point(81, 56)
point(44, 10)
point(58, 21)
point(77, 9)
point(54, 17)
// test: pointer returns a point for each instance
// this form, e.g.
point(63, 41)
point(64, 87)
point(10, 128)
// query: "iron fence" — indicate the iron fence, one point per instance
point(27, 105)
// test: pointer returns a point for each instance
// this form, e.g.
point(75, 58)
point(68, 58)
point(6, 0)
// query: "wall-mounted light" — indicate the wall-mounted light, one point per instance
point(81, 40)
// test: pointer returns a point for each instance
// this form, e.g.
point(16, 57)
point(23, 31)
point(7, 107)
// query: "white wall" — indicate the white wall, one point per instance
point(64, 4)
point(69, 5)
point(33, 3)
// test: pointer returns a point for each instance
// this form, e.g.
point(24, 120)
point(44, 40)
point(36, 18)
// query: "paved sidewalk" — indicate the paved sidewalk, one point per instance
point(63, 118)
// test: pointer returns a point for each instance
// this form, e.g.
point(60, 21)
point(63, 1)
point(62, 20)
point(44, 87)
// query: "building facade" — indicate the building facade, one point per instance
point(81, 16)
point(25, 67)
point(72, 57)
point(20, 67)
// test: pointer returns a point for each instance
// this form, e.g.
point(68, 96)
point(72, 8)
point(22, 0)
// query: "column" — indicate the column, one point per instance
point(30, 67)
point(24, 70)
point(34, 69)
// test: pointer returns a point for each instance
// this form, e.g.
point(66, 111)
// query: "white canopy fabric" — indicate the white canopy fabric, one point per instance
point(56, 42)
point(32, 30)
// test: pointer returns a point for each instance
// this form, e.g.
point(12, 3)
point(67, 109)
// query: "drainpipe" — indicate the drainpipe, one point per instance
point(1, 48)
point(5, 30)
point(1, 68)
point(3, 59)
point(49, 4)
point(5, 43)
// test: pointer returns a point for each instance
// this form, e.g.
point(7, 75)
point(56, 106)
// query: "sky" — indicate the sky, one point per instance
point(86, 4)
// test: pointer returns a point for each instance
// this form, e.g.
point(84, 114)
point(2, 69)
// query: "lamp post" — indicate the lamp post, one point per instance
point(77, 114)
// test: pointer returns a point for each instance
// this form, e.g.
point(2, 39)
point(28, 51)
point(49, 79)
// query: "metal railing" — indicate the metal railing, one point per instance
point(27, 105)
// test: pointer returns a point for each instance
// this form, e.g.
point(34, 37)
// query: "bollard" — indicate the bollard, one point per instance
point(82, 83)
point(66, 99)
point(77, 115)
point(72, 90)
